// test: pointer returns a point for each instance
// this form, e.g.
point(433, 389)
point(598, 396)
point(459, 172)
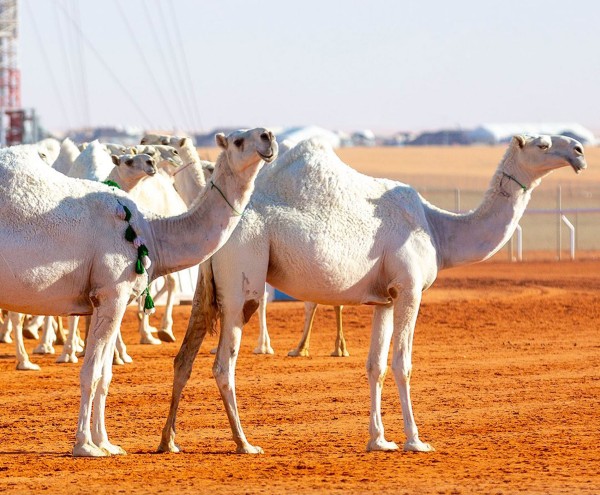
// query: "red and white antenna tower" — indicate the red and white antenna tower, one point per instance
point(10, 75)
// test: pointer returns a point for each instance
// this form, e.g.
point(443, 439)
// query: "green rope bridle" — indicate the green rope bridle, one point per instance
point(143, 260)
point(214, 186)
point(513, 179)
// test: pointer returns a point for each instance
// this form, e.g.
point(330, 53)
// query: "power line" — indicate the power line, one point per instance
point(188, 77)
point(107, 68)
point(166, 64)
point(145, 62)
point(38, 38)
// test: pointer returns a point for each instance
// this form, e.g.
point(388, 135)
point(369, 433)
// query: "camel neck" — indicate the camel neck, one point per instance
point(188, 239)
point(479, 234)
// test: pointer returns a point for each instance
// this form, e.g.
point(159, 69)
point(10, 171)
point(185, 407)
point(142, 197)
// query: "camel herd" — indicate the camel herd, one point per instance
point(114, 219)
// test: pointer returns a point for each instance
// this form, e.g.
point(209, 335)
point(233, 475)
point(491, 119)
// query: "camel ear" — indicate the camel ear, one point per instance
point(520, 140)
point(221, 140)
point(115, 159)
point(182, 142)
point(132, 151)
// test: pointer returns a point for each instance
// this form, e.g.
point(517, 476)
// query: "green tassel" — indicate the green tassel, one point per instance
point(139, 267)
point(127, 213)
point(142, 251)
point(148, 302)
point(111, 183)
point(130, 234)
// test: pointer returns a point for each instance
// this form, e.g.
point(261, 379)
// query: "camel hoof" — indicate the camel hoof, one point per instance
point(249, 449)
point(89, 450)
point(44, 349)
point(149, 339)
point(67, 357)
point(30, 333)
point(127, 359)
point(28, 366)
point(418, 446)
point(298, 353)
point(5, 339)
point(166, 335)
point(168, 447)
point(117, 361)
point(112, 449)
point(264, 349)
point(381, 445)
point(340, 353)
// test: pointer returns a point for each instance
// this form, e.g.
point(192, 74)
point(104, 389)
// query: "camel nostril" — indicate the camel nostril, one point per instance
point(579, 150)
point(266, 136)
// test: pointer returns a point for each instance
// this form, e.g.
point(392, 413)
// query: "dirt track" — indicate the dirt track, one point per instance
point(506, 386)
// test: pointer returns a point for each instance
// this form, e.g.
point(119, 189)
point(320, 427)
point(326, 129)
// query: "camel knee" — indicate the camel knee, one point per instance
point(376, 370)
point(401, 371)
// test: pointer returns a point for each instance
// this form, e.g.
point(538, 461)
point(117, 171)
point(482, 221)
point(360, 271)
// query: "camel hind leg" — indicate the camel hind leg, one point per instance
point(264, 341)
point(340, 349)
point(23, 362)
point(310, 308)
point(405, 317)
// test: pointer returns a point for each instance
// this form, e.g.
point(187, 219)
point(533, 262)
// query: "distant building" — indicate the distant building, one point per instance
point(501, 133)
point(442, 138)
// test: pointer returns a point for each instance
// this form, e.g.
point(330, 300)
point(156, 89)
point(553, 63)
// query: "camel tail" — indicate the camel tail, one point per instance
point(205, 298)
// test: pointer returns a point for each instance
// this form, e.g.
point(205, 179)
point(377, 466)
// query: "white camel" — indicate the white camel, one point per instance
point(321, 231)
point(97, 251)
point(66, 157)
point(189, 180)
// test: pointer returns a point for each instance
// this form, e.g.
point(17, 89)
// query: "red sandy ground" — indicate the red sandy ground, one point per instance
point(506, 386)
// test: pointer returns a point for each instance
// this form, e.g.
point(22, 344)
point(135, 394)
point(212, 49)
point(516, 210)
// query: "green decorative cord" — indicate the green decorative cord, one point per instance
point(512, 178)
point(214, 186)
point(130, 236)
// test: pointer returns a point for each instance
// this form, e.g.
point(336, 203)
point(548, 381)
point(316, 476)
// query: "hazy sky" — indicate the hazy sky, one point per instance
point(386, 65)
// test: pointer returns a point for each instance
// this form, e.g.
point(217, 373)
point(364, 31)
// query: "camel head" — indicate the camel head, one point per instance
point(246, 148)
point(166, 157)
point(537, 156)
point(132, 168)
point(163, 139)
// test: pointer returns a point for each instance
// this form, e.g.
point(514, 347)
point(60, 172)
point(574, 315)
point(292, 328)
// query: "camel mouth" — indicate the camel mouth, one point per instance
point(578, 167)
point(267, 158)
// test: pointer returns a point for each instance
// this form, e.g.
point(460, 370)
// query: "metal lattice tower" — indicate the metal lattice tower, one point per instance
point(10, 76)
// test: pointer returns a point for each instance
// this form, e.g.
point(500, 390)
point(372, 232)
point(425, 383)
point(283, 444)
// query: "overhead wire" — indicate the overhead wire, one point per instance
point(82, 72)
point(186, 66)
point(48, 65)
point(75, 100)
point(146, 63)
point(108, 69)
point(166, 65)
point(175, 56)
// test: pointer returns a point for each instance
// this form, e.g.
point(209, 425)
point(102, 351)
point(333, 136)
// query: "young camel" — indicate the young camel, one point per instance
point(98, 247)
point(321, 231)
point(189, 181)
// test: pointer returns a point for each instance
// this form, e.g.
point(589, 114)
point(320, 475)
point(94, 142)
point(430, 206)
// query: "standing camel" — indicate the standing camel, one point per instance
point(100, 251)
point(321, 231)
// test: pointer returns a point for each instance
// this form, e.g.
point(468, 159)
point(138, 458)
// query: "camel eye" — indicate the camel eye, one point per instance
point(129, 162)
point(175, 152)
point(238, 142)
point(543, 146)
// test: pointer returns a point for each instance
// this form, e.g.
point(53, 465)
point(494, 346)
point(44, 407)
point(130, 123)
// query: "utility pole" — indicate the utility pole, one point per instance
point(12, 116)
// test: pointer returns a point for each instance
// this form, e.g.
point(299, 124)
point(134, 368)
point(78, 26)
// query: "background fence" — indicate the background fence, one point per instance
point(562, 221)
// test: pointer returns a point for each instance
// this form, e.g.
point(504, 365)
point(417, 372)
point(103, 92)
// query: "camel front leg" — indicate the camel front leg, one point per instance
point(99, 434)
point(106, 320)
point(340, 342)
point(310, 308)
point(182, 368)
point(224, 373)
point(406, 309)
point(264, 341)
point(166, 327)
point(381, 336)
